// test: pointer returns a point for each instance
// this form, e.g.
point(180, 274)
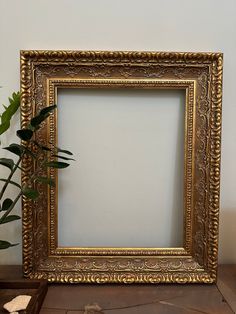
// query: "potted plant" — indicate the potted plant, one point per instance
point(28, 147)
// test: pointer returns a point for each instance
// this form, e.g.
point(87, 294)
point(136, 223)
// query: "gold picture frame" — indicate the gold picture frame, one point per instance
point(200, 75)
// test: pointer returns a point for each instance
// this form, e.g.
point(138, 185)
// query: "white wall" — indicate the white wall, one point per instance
point(129, 25)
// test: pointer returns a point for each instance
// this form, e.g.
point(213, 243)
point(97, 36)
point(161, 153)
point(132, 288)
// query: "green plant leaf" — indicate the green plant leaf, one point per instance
point(46, 180)
point(9, 112)
point(4, 126)
point(19, 150)
point(47, 110)
point(57, 164)
point(28, 151)
point(25, 134)
point(64, 151)
point(34, 122)
point(5, 244)
point(42, 147)
point(12, 108)
point(9, 218)
point(15, 149)
point(9, 163)
point(62, 157)
point(11, 182)
point(6, 204)
point(45, 148)
point(43, 114)
point(30, 193)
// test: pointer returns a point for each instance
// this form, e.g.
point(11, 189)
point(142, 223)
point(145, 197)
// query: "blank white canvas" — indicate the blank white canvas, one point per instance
point(125, 188)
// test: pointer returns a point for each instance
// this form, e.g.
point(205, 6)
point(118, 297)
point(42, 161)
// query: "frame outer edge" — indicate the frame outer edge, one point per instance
point(215, 60)
point(118, 56)
point(215, 164)
point(26, 111)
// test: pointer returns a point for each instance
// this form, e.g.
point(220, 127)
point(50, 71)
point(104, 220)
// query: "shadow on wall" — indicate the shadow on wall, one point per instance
point(227, 236)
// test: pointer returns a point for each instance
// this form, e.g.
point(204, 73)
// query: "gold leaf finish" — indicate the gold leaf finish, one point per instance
point(200, 75)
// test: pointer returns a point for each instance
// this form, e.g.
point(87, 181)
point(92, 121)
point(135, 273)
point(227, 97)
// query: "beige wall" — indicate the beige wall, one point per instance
point(128, 25)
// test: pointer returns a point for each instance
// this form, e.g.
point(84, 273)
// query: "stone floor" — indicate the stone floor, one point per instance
point(145, 299)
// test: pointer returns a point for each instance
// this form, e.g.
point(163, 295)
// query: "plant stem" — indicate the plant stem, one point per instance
point(11, 207)
point(10, 176)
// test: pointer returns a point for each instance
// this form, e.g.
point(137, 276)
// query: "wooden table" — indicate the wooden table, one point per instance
point(139, 299)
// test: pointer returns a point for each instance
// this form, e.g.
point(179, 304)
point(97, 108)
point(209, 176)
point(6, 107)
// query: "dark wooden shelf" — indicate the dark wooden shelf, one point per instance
point(37, 289)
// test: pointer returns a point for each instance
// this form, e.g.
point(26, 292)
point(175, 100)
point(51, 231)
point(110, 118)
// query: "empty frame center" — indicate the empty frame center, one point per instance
point(126, 187)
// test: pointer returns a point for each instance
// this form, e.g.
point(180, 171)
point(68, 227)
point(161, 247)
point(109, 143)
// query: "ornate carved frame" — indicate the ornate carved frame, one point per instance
point(200, 75)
